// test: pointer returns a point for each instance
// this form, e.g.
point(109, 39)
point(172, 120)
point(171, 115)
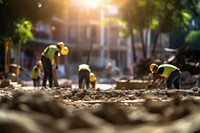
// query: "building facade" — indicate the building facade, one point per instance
point(87, 26)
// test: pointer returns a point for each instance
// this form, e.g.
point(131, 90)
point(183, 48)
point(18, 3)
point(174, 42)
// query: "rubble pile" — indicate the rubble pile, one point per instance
point(77, 111)
point(188, 60)
point(185, 59)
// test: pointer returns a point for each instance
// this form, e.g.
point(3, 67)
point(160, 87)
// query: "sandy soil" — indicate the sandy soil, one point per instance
point(68, 109)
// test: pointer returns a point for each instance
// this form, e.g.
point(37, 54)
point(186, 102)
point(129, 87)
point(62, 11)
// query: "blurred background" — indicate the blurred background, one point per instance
point(124, 33)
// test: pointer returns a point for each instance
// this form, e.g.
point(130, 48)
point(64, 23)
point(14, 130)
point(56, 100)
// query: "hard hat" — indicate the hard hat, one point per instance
point(92, 77)
point(39, 63)
point(64, 51)
point(151, 67)
point(61, 44)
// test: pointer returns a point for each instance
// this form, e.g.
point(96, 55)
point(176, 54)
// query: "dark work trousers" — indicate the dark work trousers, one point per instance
point(36, 82)
point(84, 75)
point(174, 78)
point(48, 72)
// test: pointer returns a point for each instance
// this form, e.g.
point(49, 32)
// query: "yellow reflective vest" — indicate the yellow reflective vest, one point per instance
point(84, 67)
point(35, 72)
point(49, 52)
point(168, 69)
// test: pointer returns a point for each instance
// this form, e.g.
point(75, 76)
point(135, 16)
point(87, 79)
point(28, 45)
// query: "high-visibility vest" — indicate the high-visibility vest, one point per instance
point(84, 67)
point(168, 69)
point(49, 52)
point(35, 74)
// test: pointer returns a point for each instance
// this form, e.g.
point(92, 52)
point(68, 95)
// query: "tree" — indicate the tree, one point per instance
point(138, 16)
point(161, 16)
point(16, 17)
point(21, 34)
point(129, 15)
point(193, 39)
point(173, 16)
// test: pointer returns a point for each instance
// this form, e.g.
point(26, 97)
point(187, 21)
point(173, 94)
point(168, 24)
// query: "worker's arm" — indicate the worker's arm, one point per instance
point(154, 80)
point(161, 82)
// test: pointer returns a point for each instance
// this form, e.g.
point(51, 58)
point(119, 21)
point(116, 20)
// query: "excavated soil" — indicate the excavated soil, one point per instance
point(67, 110)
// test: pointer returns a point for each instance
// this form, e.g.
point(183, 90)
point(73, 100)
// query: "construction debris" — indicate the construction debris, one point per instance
point(77, 111)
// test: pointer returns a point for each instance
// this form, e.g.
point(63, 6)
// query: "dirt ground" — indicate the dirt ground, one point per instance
point(72, 110)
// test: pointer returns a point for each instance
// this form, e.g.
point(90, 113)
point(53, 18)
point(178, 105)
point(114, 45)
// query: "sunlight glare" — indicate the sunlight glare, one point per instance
point(39, 4)
point(90, 3)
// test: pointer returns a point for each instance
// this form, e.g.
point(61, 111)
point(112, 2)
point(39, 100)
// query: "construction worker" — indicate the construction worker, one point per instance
point(93, 80)
point(166, 71)
point(109, 70)
point(50, 59)
point(36, 74)
point(84, 75)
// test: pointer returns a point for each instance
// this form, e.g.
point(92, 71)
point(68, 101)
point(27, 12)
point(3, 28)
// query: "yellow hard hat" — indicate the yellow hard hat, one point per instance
point(151, 67)
point(92, 77)
point(64, 51)
point(39, 63)
point(61, 44)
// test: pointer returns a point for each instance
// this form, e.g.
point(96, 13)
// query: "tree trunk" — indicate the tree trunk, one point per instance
point(133, 51)
point(133, 47)
point(7, 44)
point(18, 63)
point(155, 43)
point(160, 29)
point(143, 44)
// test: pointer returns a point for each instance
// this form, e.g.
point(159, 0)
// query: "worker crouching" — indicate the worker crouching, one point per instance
point(93, 80)
point(166, 72)
point(36, 74)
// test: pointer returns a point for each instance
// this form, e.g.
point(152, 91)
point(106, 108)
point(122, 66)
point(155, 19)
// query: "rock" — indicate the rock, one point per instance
point(111, 113)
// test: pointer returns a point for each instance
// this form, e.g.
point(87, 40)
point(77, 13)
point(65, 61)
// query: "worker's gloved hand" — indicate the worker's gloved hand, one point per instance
point(56, 67)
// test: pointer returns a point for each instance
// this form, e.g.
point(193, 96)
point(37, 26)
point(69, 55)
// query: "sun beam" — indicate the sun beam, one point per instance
point(89, 3)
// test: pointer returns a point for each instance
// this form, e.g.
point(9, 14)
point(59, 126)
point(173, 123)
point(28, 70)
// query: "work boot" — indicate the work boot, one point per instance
point(43, 88)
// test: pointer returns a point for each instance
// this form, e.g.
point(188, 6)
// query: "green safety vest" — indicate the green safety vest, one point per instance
point(84, 67)
point(168, 69)
point(35, 74)
point(49, 52)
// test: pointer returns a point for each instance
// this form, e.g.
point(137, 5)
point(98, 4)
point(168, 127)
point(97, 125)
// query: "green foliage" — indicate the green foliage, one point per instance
point(33, 10)
point(22, 32)
point(140, 14)
point(163, 15)
point(193, 37)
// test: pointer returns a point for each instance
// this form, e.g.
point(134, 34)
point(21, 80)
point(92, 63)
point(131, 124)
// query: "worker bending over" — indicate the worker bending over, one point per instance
point(36, 74)
point(166, 72)
point(50, 59)
point(84, 74)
